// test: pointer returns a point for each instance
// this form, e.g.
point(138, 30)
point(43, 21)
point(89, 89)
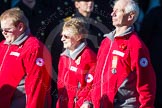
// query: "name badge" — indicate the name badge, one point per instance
point(72, 68)
point(17, 54)
point(119, 53)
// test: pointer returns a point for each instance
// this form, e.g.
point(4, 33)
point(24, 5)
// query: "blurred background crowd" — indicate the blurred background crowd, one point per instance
point(45, 16)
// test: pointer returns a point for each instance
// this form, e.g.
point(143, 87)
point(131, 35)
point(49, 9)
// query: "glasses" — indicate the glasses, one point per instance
point(65, 36)
point(7, 30)
point(11, 29)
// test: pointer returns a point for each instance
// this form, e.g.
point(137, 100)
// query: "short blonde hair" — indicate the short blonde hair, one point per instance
point(17, 15)
point(77, 26)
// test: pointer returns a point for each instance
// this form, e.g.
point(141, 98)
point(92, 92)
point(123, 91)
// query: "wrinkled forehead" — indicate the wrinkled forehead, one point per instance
point(69, 30)
point(120, 3)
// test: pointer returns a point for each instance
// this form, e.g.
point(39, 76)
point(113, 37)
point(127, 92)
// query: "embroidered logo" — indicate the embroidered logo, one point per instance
point(123, 46)
point(40, 61)
point(17, 54)
point(143, 62)
point(89, 78)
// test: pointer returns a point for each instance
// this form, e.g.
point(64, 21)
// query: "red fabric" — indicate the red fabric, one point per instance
point(14, 67)
point(68, 78)
point(106, 83)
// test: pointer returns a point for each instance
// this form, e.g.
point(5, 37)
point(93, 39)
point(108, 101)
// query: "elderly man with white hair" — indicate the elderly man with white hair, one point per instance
point(124, 76)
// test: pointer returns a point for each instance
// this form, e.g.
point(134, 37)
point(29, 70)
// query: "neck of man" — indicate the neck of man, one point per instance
point(120, 30)
point(29, 3)
point(85, 14)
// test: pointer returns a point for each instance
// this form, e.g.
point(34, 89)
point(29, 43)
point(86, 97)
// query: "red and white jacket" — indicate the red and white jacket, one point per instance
point(75, 76)
point(25, 68)
point(124, 76)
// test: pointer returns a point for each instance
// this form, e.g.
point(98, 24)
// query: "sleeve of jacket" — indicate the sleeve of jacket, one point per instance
point(148, 26)
point(61, 70)
point(62, 93)
point(38, 70)
point(146, 80)
point(84, 93)
point(90, 95)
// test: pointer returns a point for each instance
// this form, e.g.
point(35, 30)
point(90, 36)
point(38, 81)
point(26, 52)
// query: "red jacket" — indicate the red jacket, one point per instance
point(25, 63)
point(124, 76)
point(75, 78)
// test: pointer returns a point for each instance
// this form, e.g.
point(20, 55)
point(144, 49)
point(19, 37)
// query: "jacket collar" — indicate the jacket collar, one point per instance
point(112, 34)
point(20, 39)
point(76, 52)
point(77, 14)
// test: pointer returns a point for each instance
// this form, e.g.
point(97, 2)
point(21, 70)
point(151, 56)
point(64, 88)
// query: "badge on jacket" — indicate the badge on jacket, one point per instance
point(40, 61)
point(114, 64)
point(143, 62)
point(89, 78)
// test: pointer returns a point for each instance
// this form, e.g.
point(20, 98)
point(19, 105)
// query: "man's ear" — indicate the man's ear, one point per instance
point(131, 16)
point(76, 4)
point(21, 26)
point(79, 37)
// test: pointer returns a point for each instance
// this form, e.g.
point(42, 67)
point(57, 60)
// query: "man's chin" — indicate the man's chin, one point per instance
point(8, 41)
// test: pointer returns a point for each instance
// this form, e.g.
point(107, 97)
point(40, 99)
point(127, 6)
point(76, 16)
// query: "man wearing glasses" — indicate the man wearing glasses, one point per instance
point(25, 64)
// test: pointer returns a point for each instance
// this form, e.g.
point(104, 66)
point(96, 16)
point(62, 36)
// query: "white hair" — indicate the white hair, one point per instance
point(132, 6)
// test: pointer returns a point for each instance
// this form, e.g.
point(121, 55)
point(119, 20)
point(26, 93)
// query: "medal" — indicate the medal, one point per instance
point(78, 60)
point(113, 71)
point(114, 64)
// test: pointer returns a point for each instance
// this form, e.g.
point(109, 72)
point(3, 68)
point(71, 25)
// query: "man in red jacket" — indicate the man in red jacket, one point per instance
point(25, 64)
point(124, 76)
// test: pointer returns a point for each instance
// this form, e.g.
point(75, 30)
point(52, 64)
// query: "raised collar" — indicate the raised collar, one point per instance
point(20, 39)
point(112, 34)
point(76, 52)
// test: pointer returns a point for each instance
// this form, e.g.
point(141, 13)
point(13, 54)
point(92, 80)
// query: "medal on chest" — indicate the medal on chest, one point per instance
point(114, 64)
point(77, 61)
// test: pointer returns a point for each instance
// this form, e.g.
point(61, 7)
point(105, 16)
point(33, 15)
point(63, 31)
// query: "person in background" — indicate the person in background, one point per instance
point(124, 76)
point(14, 3)
point(84, 10)
point(151, 34)
point(37, 14)
point(76, 66)
point(145, 6)
point(4, 4)
point(25, 64)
